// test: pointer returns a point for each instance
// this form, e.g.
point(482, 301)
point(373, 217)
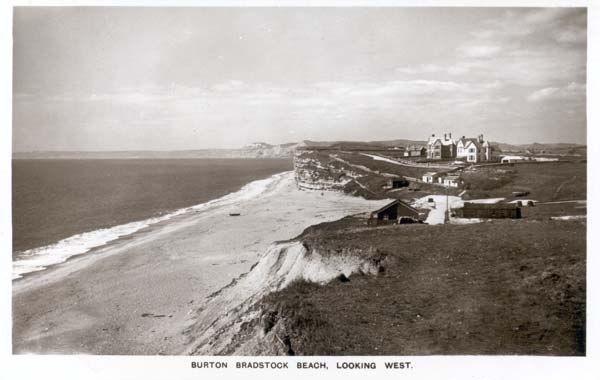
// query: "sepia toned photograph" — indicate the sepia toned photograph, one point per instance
point(299, 181)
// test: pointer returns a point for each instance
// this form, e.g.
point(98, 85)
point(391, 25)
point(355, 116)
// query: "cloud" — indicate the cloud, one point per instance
point(536, 47)
point(572, 35)
point(479, 51)
point(543, 94)
point(545, 16)
point(420, 69)
point(573, 90)
point(535, 21)
point(265, 106)
point(231, 85)
point(317, 94)
point(529, 48)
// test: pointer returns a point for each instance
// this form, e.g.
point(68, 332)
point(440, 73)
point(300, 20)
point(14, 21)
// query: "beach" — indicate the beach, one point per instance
point(138, 295)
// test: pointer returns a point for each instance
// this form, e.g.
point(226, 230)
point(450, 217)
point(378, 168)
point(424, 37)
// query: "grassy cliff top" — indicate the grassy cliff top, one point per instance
point(499, 288)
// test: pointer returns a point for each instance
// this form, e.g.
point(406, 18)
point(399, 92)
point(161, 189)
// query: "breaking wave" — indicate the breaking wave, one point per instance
point(38, 259)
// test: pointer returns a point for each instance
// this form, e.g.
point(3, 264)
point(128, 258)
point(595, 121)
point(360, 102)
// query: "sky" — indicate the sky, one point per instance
point(100, 79)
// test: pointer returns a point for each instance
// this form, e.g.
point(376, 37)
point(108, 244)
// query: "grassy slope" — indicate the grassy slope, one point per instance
point(545, 182)
point(506, 287)
point(552, 181)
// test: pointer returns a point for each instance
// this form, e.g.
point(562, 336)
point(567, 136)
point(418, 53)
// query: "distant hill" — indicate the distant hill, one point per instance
point(266, 150)
point(254, 150)
point(562, 149)
point(510, 147)
point(400, 142)
point(366, 145)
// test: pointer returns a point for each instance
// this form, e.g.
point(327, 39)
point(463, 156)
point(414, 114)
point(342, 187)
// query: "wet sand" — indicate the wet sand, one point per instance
point(138, 296)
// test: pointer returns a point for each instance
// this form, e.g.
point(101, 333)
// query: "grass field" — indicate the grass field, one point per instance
point(545, 182)
point(502, 287)
point(499, 288)
point(549, 181)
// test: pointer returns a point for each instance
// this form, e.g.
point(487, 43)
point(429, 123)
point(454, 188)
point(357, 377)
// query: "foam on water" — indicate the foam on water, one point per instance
point(38, 259)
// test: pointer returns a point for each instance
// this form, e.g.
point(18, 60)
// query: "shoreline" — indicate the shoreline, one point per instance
point(50, 259)
point(139, 294)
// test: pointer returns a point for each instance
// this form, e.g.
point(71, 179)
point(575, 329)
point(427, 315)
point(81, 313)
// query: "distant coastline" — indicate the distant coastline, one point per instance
point(265, 150)
point(132, 155)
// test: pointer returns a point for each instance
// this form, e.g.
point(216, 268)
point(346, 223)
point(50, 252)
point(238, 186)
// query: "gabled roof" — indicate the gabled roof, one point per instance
point(466, 140)
point(452, 177)
point(396, 202)
point(474, 142)
point(442, 142)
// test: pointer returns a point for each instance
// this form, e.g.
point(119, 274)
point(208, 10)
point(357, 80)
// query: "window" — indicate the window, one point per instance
point(471, 150)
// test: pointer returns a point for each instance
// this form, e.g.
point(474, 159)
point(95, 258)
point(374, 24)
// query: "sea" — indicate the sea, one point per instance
point(62, 208)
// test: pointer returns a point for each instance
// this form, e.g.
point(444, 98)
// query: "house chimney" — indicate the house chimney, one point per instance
point(433, 135)
point(450, 136)
point(463, 137)
point(445, 138)
point(480, 138)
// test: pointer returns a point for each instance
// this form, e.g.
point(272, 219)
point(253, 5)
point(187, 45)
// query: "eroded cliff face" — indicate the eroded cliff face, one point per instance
point(264, 150)
point(233, 322)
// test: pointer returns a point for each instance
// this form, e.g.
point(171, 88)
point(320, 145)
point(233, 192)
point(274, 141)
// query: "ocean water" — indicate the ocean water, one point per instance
point(63, 208)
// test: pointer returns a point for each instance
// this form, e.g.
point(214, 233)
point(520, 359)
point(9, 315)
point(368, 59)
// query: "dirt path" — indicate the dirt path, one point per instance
point(555, 195)
point(407, 163)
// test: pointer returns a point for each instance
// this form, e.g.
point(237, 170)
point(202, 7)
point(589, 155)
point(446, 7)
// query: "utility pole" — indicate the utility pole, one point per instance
point(447, 213)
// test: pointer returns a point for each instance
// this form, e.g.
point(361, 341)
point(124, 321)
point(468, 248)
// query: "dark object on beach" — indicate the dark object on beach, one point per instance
point(520, 193)
point(342, 278)
point(234, 214)
point(486, 211)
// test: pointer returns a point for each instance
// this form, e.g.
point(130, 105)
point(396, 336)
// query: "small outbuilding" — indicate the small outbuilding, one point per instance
point(489, 211)
point(429, 177)
point(415, 151)
point(397, 183)
point(450, 180)
point(393, 212)
point(513, 159)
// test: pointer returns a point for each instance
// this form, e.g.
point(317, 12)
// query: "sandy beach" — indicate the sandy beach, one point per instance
point(137, 296)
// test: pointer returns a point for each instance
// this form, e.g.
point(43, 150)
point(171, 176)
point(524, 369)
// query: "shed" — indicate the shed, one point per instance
point(450, 180)
point(396, 183)
point(488, 211)
point(429, 177)
point(415, 151)
point(513, 159)
point(391, 212)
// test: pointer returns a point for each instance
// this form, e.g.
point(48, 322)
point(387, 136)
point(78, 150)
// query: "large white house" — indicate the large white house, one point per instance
point(474, 149)
point(441, 148)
